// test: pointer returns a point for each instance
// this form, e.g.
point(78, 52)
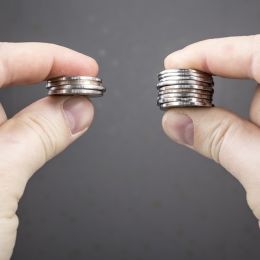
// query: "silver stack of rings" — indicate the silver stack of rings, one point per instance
point(184, 88)
point(75, 85)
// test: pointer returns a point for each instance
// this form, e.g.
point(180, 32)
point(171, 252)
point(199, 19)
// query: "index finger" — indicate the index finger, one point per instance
point(28, 63)
point(232, 57)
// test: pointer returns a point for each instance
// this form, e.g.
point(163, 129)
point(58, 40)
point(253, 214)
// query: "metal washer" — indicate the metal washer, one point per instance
point(75, 85)
point(184, 88)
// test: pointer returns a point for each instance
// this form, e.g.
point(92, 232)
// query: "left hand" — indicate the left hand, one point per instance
point(41, 130)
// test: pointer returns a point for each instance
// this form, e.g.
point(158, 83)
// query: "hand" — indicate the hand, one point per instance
point(41, 130)
point(216, 133)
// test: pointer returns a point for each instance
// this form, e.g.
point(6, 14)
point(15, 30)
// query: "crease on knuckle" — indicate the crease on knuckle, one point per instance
point(8, 208)
point(217, 138)
point(9, 217)
point(45, 133)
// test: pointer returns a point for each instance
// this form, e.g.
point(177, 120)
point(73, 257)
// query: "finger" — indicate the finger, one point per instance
point(223, 137)
point(255, 107)
point(233, 57)
point(3, 116)
point(27, 141)
point(29, 63)
point(42, 130)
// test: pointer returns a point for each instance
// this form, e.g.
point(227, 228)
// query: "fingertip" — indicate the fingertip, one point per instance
point(179, 127)
point(71, 63)
point(173, 60)
point(169, 116)
point(164, 120)
point(79, 113)
point(32, 62)
point(95, 66)
point(165, 123)
point(87, 66)
point(167, 61)
point(91, 111)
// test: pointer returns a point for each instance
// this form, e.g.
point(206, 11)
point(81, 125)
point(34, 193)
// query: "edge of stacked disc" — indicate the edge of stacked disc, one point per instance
point(75, 85)
point(184, 88)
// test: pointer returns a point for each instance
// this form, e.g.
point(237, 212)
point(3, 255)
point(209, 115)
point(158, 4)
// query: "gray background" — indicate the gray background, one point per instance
point(124, 190)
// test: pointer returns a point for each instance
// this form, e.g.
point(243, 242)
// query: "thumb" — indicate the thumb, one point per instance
point(224, 137)
point(27, 141)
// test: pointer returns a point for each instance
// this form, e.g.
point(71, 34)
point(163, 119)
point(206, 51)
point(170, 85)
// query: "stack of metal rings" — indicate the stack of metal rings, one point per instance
point(184, 88)
point(75, 85)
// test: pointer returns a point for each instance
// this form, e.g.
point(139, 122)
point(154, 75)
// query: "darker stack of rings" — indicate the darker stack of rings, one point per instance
point(184, 88)
point(75, 85)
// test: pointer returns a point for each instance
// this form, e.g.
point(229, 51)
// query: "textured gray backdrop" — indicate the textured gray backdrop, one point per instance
point(124, 190)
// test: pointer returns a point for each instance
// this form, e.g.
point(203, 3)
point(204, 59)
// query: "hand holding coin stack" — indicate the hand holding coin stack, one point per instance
point(75, 85)
point(184, 88)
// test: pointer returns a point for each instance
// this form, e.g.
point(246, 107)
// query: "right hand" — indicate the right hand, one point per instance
point(214, 132)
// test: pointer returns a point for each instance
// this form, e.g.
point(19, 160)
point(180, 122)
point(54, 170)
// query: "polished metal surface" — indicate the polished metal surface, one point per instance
point(81, 86)
point(165, 106)
point(73, 82)
point(62, 78)
point(182, 71)
point(73, 92)
point(184, 88)
point(183, 95)
point(75, 85)
point(186, 77)
point(183, 82)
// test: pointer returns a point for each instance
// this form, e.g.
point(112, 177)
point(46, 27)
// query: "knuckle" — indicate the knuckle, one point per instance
point(44, 131)
point(11, 219)
point(219, 135)
point(8, 207)
point(8, 230)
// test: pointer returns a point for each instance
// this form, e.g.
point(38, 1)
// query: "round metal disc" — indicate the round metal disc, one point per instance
point(184, 78)
point(167, 75)
point(91, 87)
point(185, 104)
point(183, 82)
point(186, 90)
point(183, 71)
point(185, 95)
point(73, 82)
point(83, 92)
point(191, 87)
point(69, 78)
point(186, 99)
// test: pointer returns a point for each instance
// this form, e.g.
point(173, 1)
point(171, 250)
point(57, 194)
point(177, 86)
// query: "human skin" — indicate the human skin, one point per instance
point(41, 130)
point(214, 132)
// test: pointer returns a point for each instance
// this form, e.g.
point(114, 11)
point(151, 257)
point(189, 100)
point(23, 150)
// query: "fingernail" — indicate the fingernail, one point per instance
point(79, 113)
point(179, 127)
